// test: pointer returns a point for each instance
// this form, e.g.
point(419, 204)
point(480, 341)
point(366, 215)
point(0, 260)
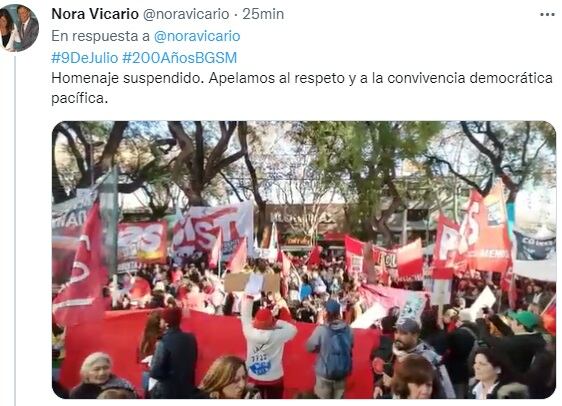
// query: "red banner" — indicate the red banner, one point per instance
point(446, 243)
point(120, 332)
point(140, 288)
point(388, 297)
point(314, 257)
point(81, 301)
point(353, 255)
point(484, 237)
point(142, 242)
point(410, 259)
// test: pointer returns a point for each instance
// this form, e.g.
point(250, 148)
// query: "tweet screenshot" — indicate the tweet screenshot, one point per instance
point(243, 199)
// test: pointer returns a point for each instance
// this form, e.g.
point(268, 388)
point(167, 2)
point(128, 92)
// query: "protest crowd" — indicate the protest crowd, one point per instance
point(492, 337)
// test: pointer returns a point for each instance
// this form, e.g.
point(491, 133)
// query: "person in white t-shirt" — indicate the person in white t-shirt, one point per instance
point(265, 341)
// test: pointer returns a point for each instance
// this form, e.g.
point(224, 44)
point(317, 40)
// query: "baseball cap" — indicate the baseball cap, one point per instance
point(264, 320)
point(332, 306)
point(408, 325)
point(525, 318)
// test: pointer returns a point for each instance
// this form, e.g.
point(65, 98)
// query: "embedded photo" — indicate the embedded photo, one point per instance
point(303, 260)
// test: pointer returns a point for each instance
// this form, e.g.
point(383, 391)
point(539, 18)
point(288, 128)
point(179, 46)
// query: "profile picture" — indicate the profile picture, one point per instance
point(19, 27)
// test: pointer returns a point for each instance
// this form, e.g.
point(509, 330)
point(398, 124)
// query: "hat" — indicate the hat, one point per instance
point(172, 316)
point(408, 326)
point(332, 307)
point(525, 318)
point(264, 320)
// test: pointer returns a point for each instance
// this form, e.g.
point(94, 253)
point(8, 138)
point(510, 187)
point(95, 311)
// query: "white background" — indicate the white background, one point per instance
point(316, 36)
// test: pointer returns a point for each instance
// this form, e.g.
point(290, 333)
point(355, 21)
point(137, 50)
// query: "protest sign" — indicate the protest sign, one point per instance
point(441, 292)
point(145, 242)
point(372, 315)
point(486, 299)
point(236, 282)
point(198, 229)
point(484, 238)
point(413, 307)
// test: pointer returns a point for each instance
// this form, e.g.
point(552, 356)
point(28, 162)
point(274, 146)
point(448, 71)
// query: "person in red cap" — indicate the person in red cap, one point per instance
point(174, 361)
point(265, 340)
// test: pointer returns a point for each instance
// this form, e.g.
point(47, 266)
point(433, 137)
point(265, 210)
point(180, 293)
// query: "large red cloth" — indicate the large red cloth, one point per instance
point(120, 332)
point(81, 300)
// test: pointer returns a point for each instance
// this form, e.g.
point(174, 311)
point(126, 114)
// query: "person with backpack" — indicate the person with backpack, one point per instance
point(333, 341)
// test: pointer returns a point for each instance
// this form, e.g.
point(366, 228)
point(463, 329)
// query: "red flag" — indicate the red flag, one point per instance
point(446, 243)
point(239, 257)
point(484, 237)
point(353, 255)
point(140, 288)
point(442, 273)
point(81, 300)
point(549, 317)
point(410, 259)
point(314, 257)
point(216, 251)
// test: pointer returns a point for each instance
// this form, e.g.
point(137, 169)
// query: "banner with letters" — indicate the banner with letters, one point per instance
point(484, 238)
point(66, 224)
point(384, 261)
point(199, 227)
point(145, 242)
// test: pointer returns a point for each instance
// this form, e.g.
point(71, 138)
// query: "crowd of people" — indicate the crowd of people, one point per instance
point(456, 354)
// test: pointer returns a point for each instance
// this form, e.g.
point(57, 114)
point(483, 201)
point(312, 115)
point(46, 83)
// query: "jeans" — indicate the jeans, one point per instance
point(328, 389)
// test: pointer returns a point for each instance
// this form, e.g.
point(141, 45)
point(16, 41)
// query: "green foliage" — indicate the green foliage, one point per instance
point(363, 158)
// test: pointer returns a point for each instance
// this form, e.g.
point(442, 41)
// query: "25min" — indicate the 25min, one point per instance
point(256, 13)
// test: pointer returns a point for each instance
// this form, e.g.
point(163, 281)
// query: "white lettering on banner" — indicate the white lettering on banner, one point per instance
point(539, 243)
point(197, 230)
point(491, 253)
point(146, 238)
point(74, 218)
point(85, 272)
point(72, 302)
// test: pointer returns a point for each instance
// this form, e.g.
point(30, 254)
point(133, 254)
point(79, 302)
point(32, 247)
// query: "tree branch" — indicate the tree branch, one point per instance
point(234, 189)
point(110, 149)
point(477, 143)
point(525, 143)
point(466, 180)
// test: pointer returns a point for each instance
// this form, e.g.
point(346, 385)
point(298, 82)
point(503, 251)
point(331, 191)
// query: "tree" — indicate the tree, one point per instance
point(261, 167)
point(363, 159)
point(513, 152)
point(198, 162)
point(303, 186)
point(83, 151)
